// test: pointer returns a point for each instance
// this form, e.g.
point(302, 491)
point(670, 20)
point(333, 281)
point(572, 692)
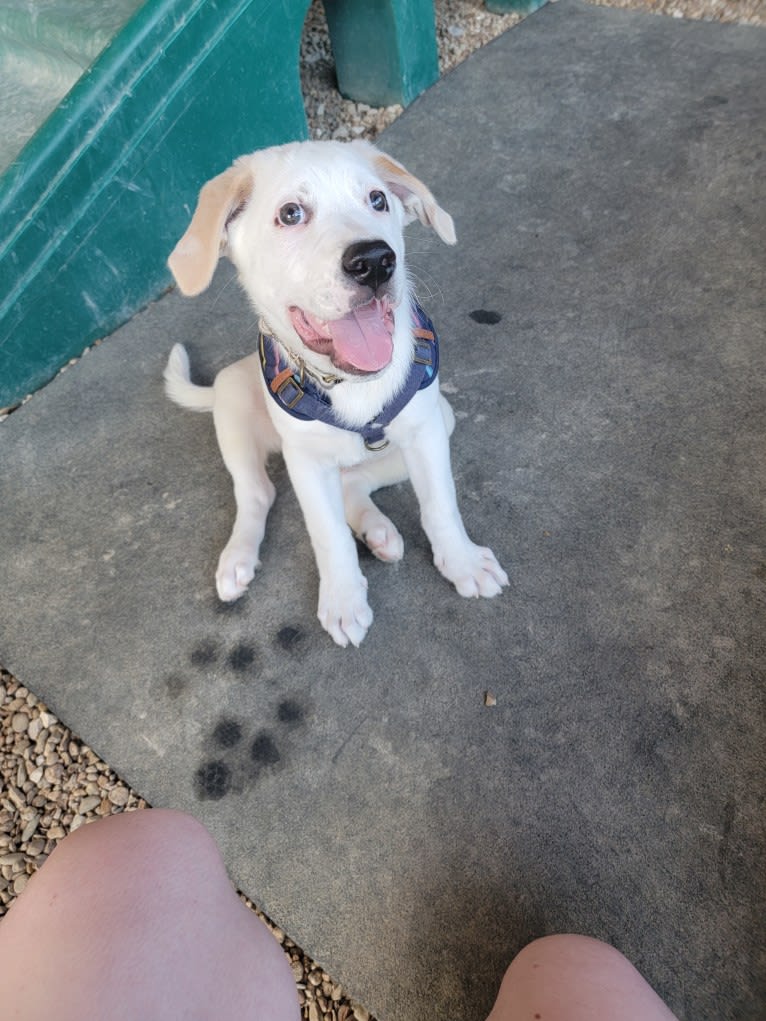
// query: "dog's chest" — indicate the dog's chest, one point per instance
point(334, 447)
point(325, 444)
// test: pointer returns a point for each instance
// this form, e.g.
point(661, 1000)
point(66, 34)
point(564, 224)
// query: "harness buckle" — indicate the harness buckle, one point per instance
point(376, 445)
point(289, 392)
point(423, 353)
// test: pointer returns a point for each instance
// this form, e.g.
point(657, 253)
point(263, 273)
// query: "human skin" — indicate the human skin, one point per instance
point(575, 978)
point(134, 917)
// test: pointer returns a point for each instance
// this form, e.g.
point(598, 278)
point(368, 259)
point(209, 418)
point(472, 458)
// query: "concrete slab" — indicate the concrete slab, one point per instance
point(603, 169)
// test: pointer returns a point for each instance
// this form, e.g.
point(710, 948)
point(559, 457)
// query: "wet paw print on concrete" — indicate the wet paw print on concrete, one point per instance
point(235, 760)
point(485, 316)
point(241, 658)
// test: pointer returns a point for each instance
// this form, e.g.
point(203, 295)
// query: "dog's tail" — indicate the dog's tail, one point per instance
point(178, 384)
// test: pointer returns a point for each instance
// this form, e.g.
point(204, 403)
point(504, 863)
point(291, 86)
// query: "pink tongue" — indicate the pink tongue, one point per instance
point(362, 338)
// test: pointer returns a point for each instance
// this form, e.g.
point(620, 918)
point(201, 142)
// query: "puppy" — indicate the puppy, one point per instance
point(345, 379)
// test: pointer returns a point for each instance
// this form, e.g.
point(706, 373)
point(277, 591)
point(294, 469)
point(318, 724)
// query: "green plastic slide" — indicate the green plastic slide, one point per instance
point(92, 203)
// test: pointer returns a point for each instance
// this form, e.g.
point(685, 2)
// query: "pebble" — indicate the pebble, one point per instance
point(16, 797)
point(19, 723)
point(12, 858)
point(35, 847)
point(119, 796)
point(30, 829)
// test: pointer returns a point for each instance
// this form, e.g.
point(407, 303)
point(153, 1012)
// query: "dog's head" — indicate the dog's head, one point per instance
point(315, 231)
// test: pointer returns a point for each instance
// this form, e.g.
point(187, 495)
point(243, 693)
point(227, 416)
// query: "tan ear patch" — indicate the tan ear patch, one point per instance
point(417, 199)
point(193, 260)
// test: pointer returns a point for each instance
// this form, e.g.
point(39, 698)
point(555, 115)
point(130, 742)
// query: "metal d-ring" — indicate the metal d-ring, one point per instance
point(375, 445)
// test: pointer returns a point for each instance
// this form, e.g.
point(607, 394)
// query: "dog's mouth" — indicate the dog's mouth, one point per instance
point(359, 342)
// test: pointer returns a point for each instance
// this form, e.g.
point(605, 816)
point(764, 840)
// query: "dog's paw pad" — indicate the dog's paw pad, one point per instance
point(385, 542)
point(475, 572)
point(345, 615)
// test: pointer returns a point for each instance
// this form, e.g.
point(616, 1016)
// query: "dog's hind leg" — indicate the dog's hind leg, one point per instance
point(245, 437)
point(367, 522)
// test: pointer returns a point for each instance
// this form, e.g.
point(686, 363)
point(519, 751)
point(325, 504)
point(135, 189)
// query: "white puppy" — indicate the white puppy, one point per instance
point(345, 379)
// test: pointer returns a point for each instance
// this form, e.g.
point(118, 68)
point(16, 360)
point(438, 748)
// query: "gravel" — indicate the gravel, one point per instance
point(50, 782)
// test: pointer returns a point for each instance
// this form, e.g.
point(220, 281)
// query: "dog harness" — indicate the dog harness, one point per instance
point(296, 394)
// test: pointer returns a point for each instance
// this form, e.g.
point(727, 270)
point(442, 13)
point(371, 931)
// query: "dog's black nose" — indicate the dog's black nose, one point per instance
point(370, 263)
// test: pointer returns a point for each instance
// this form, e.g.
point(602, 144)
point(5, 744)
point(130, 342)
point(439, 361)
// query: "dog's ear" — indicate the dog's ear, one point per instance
point(416, 198)
point(193, 260)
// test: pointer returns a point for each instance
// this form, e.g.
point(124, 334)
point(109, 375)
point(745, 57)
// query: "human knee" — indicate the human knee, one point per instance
point(172, 845)
point(147, 847)
point(566, 950)
point(567, 944)
point(159, 828)
point(535, 968)
point(571, 976)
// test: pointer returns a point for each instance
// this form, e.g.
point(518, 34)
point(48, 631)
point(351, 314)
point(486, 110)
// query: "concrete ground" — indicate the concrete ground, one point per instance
point(602, 329)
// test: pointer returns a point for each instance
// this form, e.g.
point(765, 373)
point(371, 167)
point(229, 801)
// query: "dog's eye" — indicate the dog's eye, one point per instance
point(291, 213)
point(378, 201)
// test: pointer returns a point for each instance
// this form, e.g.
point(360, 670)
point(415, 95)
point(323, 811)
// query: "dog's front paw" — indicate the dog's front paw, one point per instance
point(473, 570)
point(236, 567)
point(344, 611)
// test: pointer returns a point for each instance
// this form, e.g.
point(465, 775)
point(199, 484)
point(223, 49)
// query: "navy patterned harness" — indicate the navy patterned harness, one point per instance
point(296, 394)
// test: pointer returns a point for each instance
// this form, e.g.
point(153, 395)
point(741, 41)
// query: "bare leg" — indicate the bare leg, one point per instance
point(575, 978)
point(134, 917)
